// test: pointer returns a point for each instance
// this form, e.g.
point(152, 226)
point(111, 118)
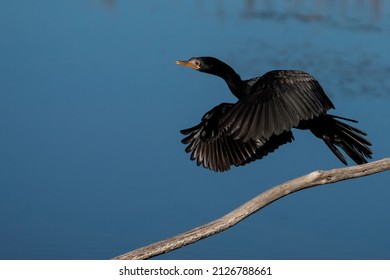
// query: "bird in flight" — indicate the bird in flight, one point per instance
point(268, 107)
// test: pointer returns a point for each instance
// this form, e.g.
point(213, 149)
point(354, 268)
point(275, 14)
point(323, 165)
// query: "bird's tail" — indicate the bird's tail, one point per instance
point(336, 133)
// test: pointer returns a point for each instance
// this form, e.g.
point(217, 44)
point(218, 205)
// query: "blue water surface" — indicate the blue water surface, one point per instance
point(91, 104)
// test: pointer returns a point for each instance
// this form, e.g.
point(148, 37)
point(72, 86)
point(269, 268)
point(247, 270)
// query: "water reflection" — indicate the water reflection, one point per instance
point(316, 10)
point(365, 14)
point(361, 14)
point(109, 4)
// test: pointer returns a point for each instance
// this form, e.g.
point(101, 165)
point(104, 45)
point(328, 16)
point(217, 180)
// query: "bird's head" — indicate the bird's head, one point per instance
point(213, 66)
point(205, 64)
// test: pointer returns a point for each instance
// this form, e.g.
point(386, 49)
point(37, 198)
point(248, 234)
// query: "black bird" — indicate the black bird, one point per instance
point(268, 107)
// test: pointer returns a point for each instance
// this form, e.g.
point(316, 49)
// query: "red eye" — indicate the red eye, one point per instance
point(196, 63)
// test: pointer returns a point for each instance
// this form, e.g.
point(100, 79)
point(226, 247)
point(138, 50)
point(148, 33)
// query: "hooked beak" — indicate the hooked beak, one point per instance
point(190, 63)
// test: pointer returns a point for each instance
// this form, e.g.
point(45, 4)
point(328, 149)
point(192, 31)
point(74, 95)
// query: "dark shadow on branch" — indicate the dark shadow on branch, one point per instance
point(315, 178)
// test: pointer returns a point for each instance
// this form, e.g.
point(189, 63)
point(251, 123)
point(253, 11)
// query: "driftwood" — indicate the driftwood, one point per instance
point(315, 178)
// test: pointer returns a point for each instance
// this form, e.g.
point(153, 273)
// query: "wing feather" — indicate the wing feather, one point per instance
point(212, 146)
point(278, 101)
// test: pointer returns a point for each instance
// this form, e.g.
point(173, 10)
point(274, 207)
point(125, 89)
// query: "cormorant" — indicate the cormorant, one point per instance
point(268, 107)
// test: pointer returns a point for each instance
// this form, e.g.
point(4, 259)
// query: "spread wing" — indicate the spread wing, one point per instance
point(278, 101)
point(212, 146)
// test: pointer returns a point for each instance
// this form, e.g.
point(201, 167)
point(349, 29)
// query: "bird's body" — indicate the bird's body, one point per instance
point(268, 107)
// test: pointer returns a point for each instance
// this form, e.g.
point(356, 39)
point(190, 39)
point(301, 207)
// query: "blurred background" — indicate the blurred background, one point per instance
point(91, 104)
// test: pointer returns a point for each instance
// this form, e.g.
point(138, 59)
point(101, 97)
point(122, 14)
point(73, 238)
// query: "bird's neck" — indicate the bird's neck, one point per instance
point(236, 85)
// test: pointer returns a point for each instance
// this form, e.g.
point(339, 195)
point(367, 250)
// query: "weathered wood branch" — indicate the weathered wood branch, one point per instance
point(315, 178)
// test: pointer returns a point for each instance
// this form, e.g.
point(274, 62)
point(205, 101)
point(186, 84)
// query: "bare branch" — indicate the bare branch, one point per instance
point(315, 178)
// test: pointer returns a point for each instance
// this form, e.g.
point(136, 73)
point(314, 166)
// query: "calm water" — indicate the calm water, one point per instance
point(91, 104)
